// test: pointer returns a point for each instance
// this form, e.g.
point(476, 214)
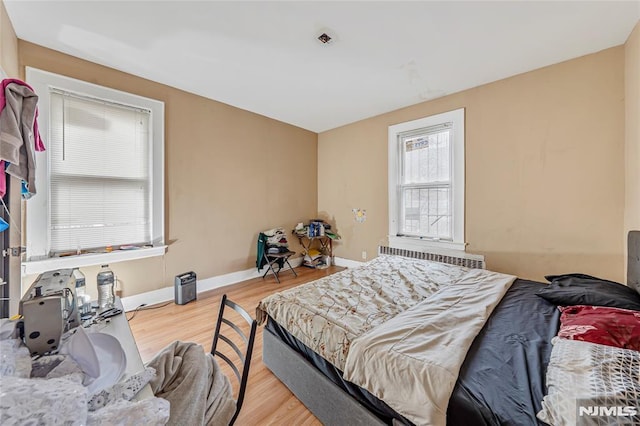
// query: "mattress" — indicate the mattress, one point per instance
point(502, 378)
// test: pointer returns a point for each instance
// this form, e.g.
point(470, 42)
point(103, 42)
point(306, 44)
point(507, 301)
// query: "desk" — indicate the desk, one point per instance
point(118, 327)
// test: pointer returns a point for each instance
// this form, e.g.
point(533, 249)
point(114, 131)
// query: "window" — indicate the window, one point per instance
point(426, 182)
point(101, 181)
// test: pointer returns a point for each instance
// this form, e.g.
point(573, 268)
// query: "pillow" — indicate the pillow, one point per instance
point(580, 289)
point(602, 325)
point(591, 384)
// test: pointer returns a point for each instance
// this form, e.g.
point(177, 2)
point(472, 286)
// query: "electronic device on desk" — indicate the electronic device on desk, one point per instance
point(49, 308)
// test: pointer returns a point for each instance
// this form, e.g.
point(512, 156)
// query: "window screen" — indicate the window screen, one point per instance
point(100, 156)
point(425, 184)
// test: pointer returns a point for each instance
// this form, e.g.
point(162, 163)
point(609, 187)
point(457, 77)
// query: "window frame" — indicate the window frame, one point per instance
point(457, 243)
point(38, 209)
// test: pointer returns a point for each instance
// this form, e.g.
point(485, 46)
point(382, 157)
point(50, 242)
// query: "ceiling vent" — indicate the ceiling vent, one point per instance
point(324, 38)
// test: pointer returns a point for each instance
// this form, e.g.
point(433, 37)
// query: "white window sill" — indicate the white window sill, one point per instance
point(431, 246)
point(90, 259)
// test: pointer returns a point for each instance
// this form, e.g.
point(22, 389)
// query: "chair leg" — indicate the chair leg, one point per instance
point(270, 268)
point(291, 267)
point(275, 273)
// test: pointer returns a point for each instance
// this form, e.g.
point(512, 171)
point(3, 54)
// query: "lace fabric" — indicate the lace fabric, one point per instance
point(125, 390)
point(58, 401)
point(56, 366)
point(54, 395)
point(15, 360)
point(151, 411)
point(49, 390)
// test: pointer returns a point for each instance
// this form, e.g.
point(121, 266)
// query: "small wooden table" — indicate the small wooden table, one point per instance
point(325, 244)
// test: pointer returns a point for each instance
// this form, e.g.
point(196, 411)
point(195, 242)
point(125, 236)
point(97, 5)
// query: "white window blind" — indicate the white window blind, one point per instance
point(100, 173)
point(426, 182)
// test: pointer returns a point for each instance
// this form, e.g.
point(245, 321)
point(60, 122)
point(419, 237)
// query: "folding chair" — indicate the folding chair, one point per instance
point(270, 259)
point(241, 366)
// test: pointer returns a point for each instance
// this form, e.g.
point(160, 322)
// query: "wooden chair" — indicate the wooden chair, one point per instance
point(240, 366)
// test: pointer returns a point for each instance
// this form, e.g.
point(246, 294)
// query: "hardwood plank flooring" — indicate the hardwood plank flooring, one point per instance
point(267, 400)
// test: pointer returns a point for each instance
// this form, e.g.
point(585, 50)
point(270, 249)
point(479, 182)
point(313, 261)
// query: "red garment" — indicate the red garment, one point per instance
point(3, 179)
point(600, 324)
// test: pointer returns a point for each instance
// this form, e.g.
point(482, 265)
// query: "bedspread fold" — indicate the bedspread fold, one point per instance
point(412, 361)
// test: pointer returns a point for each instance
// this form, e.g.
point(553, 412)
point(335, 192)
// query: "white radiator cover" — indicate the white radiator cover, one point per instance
point(472, 261)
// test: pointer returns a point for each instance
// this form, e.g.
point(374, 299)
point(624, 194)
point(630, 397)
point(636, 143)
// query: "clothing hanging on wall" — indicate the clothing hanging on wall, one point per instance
point(19, 134)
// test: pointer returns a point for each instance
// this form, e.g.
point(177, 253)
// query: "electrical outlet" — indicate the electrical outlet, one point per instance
point(364, 255)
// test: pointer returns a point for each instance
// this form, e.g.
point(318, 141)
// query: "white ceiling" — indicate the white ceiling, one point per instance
point(264, 56)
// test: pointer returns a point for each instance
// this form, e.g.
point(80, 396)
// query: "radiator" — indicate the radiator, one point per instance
point(468, 262)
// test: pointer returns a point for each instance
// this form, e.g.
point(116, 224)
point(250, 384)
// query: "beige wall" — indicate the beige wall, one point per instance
point(632, 132)
point(9, 63)
point(8, 44)
point(229, 174)
point(544, 170)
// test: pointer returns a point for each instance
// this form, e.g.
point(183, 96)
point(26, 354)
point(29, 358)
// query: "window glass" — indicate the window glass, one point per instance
point(427, 158)
point(427, 212)
point(426, 183)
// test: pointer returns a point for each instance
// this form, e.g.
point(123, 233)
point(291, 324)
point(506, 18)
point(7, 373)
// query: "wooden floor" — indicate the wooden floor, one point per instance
point(267, 401)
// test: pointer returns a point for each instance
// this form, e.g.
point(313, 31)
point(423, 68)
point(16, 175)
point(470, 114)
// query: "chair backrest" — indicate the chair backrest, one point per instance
point(240, 366)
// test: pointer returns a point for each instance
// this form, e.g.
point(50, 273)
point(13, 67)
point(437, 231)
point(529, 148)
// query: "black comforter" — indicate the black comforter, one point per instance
point(502, 380)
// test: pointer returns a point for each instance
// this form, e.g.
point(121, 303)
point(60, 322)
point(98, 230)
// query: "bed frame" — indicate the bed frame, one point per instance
point(332, 405)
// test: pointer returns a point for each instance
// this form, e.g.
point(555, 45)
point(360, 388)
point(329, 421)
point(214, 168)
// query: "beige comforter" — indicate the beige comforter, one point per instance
point(412, 361)
point(329, 313)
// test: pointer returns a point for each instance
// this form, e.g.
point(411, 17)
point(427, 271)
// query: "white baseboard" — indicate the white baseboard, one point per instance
point(347, 263)
point(130, 303)
point(165, 294)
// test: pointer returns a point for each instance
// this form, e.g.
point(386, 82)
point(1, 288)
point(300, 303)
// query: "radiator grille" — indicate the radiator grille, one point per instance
point(453, 260)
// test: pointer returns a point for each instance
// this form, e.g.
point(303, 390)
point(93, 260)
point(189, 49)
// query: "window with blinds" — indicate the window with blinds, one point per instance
point(425, 183)
point(100, 156)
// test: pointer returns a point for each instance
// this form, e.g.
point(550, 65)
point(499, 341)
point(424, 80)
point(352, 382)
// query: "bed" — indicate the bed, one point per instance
point(446, 344)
